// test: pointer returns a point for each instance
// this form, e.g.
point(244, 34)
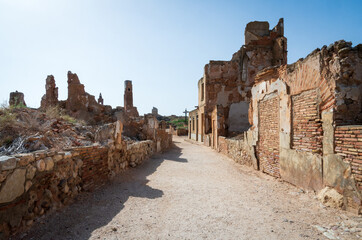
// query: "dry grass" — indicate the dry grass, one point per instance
point(57, 112)
point(7, 118)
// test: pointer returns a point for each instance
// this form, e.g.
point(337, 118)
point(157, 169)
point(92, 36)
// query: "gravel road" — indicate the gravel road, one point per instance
point(193, 192)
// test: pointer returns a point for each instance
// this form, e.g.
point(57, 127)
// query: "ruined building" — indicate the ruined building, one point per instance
point(227, 84)
point(79, 103)
point(307, 121)
point(128, 99)
point(300, 122)
point(100, 99)
point(155, 111)
point(50, 98)
point(17, 99)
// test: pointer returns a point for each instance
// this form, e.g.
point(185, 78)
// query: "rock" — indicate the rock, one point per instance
point(344, 52)
point(49, 163)
point(40, 165)
point(13, 187)
point(330, 197)
point(57, 157)
point(29, 223)
point(66, 188)
point(7, 163)
point(67, 155)
point(40, 154)
point(30, 172)
point(25, 159)
point(2, 177)
point(319, 228)
point(329, 234)
point(79, 163)
point(28, 184)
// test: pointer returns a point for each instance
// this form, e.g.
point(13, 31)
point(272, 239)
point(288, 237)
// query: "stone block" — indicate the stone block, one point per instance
point(58, 157)
point(40, 165)
point(7, 163)
point(49, 163)
point(30, 172)
point(13, 187)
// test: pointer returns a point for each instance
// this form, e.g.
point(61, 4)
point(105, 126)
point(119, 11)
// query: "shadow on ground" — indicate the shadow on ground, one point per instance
point(96, 209)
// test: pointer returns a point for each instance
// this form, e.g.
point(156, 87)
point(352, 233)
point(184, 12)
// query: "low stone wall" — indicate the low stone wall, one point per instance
point(235, 149)
point(181, 132)
point(36, 183)
point(163, 140)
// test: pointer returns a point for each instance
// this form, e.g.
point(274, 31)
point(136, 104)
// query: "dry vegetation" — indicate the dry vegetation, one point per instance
point(24, 130)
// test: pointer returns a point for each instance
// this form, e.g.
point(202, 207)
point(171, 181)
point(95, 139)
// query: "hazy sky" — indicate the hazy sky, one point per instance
point(162, 46)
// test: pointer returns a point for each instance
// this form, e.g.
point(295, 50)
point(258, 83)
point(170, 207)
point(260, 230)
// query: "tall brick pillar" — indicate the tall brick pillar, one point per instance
point(128, 95)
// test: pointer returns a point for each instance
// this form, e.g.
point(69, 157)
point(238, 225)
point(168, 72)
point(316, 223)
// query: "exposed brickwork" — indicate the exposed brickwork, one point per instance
point(307, 126)
point(268, 143)
point(95, 168)
point(348, 144)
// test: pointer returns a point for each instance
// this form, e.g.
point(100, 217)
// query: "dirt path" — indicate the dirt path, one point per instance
point(192, 192)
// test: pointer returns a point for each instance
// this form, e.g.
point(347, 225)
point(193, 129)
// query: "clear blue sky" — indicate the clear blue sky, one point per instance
point(162, 46)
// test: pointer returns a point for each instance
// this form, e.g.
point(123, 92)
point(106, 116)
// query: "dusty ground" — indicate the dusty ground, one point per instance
point(192, 192)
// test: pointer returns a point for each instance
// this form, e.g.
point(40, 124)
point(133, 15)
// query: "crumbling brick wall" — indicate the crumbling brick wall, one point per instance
point(227, 84)
point(268, 143)
point(307, 130)
point(317, 95)
point(348, 145)
point(94, 170)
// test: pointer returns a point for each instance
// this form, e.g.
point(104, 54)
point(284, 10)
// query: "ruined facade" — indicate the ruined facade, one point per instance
point(306, 121)
point(50, 98)
point(300, 122)
point(17, 99)
point(226, 85)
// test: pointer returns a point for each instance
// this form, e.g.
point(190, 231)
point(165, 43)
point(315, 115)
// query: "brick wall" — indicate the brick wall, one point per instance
point(348, 144)
point(94, 170)
point(268, 143)
point(306, 123)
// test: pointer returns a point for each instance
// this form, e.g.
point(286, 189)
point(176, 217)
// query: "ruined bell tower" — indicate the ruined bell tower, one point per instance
point(128, 99)
point(128, 95)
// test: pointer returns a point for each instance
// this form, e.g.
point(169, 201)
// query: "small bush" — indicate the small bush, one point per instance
point(69, 119)
point(53, 112)
point(7, 118)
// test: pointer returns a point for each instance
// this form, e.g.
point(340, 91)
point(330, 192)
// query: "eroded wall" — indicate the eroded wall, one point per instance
point(227, 84)
point(308, 93)
point(34, 184)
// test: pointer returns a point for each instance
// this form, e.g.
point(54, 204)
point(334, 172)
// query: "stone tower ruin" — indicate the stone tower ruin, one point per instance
point(128, 99)
point(128, 95)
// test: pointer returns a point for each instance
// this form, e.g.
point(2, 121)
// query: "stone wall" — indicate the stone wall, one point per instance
point(235, 149)
point(34, 184)
point(348, 145)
